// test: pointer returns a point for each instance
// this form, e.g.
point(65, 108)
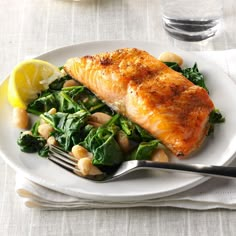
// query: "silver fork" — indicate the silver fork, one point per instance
point(68, 162)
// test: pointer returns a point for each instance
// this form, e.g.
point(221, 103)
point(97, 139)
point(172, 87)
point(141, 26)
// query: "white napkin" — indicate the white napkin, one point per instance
point(215, 193)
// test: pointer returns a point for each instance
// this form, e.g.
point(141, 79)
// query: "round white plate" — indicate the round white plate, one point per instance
point(218, 149)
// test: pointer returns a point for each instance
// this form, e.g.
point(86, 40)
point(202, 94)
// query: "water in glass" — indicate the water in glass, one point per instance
point(191, 20)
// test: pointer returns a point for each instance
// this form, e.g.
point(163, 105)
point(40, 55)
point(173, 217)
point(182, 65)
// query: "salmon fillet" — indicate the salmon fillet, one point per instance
point(149, 93)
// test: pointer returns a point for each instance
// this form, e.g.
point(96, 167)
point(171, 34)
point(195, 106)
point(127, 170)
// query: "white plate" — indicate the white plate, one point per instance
point(217, 150)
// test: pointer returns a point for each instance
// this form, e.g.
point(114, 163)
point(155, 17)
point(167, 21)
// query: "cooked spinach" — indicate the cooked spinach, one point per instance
point(133, 131)
point(191, 73)
point(69, 99)
point(73, 105)
point(33, 142)
point(216, 117)
point(195, 76)
point(43, 152)
point(44, 102)
point(63, 101)
point(144, 135)
point(144, 150)
point(173, 65)
point(29, 143)
point(68, 128)
point(34, 129)
point(101, 142)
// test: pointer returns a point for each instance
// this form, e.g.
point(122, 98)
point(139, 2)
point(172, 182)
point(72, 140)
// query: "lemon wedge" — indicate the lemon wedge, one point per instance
point(28, 79)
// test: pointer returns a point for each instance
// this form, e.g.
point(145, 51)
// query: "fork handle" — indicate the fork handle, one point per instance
point(207, 170)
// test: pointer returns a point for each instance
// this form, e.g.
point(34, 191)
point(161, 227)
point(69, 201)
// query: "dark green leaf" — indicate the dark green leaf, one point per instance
point(145, 136)
point(69, 128)
point(106, 151)
point(44, 102)
point(128, 127)
point(134, 131)
point(30, 144)
point(174, 66)
point(69, 99)
point(43, 152)
point(216, 117)
point(144, 150)
point(34, 129)
point(195, 76)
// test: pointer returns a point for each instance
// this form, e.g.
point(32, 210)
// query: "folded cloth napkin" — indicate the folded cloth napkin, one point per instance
point(214, 193)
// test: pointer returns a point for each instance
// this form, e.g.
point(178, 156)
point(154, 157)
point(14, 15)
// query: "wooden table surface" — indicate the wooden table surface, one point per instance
point(31, 27)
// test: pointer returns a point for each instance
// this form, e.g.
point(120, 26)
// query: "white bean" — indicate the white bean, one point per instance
point(20, 118)
point(70, 83)
point(159, 155)
point(100, 117)
point(45, 130)
point(79, 152)
point(123, 141)
point(85, 165)
point(52, 111)
point(94, 171)
point(171, 57)
point(51, 140)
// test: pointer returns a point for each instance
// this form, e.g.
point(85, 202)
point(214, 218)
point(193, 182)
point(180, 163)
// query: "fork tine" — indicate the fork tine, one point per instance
point(62, 158)
point(68, 162)
point(60, 151)
point(60, 162)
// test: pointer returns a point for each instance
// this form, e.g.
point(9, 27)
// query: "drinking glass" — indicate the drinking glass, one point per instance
point(191, 20)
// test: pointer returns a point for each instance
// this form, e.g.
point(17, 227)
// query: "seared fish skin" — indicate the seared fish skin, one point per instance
point(149, 93)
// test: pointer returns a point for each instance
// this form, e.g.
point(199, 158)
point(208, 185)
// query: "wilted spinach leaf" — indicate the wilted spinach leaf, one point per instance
point(144, 150)
point(68, 127)
point(195, 76)
point(106, 151)
point(34, 129)
point(134, 131)
point(29, 143)
point(215, 118)
point(44, 102)
point(69, 99)
point(174, 66)
point(43, 152)
point(144, 135)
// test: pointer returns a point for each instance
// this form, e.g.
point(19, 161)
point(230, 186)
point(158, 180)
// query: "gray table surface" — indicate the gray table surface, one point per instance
point(31, 27)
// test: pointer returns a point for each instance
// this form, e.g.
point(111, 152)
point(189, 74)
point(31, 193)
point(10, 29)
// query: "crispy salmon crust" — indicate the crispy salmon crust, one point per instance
point(145, 90)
